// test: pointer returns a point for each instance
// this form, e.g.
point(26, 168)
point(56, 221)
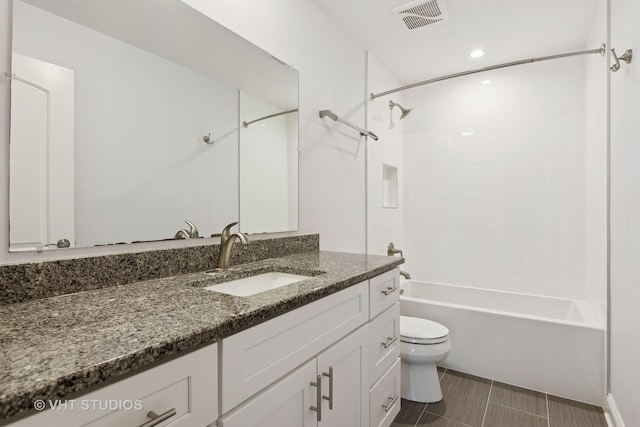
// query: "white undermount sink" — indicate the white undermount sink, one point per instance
point(255, 284)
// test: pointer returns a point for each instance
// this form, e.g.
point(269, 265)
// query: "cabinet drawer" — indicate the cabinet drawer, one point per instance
point(258, 356)
point(172, 397)
point(384, 341)
point(384, 398)
point(384, 292)
point(185, 387)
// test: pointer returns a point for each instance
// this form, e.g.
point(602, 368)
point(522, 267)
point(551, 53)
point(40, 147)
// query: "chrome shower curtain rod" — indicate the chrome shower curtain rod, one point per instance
point(332, 116)
point(12, 76)
point(246, 124)
point(601, 50)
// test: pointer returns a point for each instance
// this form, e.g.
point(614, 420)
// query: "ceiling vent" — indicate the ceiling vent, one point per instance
point(421, 13)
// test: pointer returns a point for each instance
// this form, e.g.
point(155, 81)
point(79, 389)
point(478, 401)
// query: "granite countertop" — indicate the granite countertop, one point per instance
point(53, 347)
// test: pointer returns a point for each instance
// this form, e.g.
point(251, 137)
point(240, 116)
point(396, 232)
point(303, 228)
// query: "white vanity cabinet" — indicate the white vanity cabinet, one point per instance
point(319, 336)
point(179, 393)
point(384, 348)
point(256, 357)
point(333, 362)
point(329, 390)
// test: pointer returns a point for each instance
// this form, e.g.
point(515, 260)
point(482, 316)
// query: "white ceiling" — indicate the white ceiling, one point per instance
point(508, 30)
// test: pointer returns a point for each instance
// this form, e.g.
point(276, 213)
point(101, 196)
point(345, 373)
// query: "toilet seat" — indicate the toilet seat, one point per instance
point(415, 330)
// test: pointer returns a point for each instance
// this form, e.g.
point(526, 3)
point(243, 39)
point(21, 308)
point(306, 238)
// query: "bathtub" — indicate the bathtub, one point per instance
point(553, 345)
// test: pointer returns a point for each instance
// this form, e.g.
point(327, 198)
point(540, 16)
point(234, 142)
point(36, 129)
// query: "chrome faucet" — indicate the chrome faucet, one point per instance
point(391, 250)
point(226, 243)
point(191, 234)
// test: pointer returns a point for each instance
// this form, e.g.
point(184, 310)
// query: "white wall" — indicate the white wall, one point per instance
point(292, 170)
point(264, 166)
point(625, 215)
point(502, 208)
point(595, 169)
point(141, 167)
point(331, 65)
point(384, 224)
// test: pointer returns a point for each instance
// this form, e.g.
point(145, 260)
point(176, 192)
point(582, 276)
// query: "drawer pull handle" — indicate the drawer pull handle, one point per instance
point(157, 419)
point(389, 342)
point(389, 290)
point(318, 407)
point(388, 407)
point(330, 398)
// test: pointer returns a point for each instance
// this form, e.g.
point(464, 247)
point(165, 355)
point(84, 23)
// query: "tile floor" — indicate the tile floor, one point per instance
point(470, 401)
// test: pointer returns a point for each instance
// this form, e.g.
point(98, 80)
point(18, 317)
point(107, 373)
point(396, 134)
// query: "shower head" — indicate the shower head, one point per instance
point(405, 111)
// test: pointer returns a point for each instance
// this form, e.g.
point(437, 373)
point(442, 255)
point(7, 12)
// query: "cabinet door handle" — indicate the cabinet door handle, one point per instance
point(330, 398)
point(318, 407)
point(157, 419)
point(389, 342)
point(389, 290)
point(388, 407)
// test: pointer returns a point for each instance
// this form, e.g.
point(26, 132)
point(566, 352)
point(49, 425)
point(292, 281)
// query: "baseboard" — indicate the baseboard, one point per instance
point(612, 415)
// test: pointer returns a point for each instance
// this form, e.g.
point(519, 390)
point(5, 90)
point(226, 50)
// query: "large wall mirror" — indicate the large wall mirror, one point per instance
point(129, 117)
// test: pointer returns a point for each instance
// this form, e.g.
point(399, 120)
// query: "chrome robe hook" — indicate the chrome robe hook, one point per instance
point(626, 57)
point(207, 139)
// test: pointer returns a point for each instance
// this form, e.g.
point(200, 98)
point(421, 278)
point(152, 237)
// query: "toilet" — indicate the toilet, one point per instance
point(423, 344)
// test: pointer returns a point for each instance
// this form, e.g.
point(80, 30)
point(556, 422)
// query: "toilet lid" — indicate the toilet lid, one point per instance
point(422, 331)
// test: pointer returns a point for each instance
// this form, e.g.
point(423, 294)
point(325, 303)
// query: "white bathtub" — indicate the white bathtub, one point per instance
point(553, 345)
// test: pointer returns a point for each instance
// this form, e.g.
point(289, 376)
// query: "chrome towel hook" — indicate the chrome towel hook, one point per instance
point(626, 57)
point(207, 139)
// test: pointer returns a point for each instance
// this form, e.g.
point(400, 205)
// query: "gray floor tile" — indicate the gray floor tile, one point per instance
point(432, 420)
point(568, 413)
point(464, 398)
point(519, 398)
point(501, 416)
point(409, 413)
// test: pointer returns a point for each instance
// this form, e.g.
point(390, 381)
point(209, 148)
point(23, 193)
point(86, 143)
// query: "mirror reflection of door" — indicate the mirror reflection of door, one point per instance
point(41, 154)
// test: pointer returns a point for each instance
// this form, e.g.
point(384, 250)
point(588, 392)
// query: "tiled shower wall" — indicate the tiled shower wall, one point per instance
point(495, 180)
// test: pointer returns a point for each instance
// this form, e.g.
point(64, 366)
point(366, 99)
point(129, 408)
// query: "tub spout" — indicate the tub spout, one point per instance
point(405, 274)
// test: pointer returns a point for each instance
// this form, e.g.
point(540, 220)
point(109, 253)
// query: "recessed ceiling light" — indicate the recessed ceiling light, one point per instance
point(467, 133)
point(477, 53)
point(486, 82)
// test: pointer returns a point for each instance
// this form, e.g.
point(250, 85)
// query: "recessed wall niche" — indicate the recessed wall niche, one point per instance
point(389, 186)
